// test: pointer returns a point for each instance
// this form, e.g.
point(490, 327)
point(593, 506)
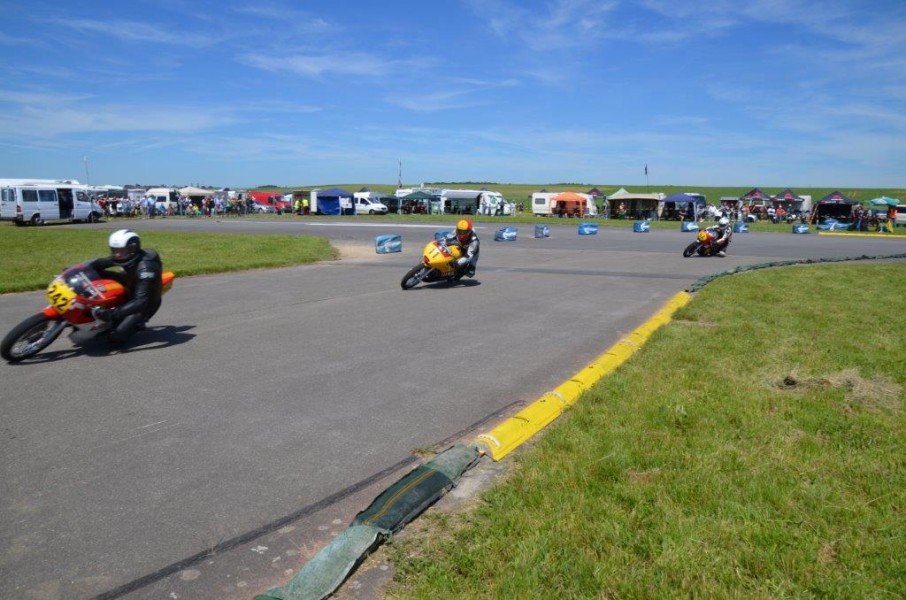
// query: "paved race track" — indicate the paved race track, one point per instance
point(262, 410)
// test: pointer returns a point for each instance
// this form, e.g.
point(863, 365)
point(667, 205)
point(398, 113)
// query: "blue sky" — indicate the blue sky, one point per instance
point(238, 93)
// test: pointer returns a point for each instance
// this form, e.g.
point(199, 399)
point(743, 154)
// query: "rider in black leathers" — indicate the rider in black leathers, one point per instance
point(468, 243)
point(724, 234)
point(141, 276)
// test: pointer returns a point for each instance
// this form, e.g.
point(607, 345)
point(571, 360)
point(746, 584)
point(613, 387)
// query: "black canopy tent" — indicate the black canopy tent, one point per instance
point(835, 205)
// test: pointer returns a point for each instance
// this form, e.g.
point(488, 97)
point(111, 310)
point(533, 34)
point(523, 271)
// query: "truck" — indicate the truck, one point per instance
point(24, 201)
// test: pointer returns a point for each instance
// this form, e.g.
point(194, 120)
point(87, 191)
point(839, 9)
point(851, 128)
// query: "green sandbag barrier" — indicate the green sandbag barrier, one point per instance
point(703, 281)
point(387, 514)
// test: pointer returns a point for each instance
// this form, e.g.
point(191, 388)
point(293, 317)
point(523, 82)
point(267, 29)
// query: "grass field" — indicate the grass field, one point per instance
point(753, 449)
point(33, 256)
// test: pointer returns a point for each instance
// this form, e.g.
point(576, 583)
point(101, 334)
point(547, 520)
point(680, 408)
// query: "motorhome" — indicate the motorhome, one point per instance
point(39, 203)
point(542, 204)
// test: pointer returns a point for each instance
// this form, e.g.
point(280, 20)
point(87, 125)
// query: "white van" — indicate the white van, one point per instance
point(38, 204)
point(365, 205)
point(166, 200)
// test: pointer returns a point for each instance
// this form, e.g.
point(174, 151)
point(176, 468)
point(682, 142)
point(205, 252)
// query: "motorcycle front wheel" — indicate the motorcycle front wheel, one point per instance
point(413, 277)
point(690, 249)
point(29, 337)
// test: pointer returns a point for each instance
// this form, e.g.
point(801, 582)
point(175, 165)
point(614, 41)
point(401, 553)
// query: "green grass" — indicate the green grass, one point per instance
point(32, 256)
point(754, 448)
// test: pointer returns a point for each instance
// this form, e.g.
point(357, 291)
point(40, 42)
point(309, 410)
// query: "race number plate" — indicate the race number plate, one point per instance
point(60, 295)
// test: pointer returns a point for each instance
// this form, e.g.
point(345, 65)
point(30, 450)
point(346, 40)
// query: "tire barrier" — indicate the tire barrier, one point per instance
point(388, 513)
point(703, 281)
point(542, 231)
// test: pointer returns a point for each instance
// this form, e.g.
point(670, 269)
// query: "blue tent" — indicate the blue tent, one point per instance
point(330, 203)
point(680, 198)
point(692, 204)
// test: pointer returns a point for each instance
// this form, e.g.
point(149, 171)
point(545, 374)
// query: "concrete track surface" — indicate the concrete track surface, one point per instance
point(224, 446)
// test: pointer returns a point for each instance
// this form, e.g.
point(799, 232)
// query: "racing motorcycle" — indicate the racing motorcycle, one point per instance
point(72, 297)
point(437, 265)
point(703, 244)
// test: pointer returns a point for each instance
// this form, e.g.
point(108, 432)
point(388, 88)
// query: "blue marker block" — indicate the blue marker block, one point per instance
point(386, 244)
point(506, 234)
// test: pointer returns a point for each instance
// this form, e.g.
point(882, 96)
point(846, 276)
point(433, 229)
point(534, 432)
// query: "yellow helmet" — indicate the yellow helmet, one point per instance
point(463, 229)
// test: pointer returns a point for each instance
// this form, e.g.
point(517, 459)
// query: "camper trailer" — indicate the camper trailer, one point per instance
point(39, 203)
point(543, 206)
point(479, 202)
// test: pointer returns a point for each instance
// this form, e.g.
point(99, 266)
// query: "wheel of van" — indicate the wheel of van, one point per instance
point(92, 217)
point(37, 220)
point(371, 212)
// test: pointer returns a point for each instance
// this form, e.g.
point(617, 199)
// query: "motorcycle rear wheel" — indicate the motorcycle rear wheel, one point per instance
point(690, 249)
point(29, 337)
point(413, 277)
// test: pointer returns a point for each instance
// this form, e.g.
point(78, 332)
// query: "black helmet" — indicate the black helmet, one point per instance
point(125, 247)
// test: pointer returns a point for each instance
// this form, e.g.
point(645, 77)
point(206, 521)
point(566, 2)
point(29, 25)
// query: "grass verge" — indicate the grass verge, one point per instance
point(33, 256)
point(753, 448)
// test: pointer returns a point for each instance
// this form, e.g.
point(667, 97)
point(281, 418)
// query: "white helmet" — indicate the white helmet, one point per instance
point(125, 247)
point(723, 222)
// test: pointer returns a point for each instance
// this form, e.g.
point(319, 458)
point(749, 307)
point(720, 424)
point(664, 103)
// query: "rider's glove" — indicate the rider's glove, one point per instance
point(103, 314)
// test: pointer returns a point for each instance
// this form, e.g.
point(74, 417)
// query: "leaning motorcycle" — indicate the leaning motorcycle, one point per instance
point(437, 265)
point(71, 296)
point(703, 244)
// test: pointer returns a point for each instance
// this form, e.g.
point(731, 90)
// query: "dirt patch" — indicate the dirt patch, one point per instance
point(878, 392)
point(354, 251)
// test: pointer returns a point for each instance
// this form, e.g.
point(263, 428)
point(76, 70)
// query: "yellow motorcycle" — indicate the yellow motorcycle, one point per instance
point(437, 265)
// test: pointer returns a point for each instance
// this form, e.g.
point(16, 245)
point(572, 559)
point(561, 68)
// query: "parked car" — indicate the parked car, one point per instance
point(369, 207)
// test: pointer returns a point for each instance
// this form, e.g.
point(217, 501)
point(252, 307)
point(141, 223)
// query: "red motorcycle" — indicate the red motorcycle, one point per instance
point(703, 244)
point(72, 296)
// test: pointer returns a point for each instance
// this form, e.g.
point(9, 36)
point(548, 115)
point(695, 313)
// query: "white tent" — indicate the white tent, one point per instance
point(635, 205)
point(194, 191)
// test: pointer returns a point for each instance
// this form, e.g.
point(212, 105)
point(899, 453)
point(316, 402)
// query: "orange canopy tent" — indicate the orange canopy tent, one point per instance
point(568, 203)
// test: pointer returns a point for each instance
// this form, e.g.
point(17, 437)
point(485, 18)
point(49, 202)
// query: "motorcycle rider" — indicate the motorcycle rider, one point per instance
point(141, 276)
point(724, 233)
point(467, 241)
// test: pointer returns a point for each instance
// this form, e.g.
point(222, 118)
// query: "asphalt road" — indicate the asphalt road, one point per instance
point(261, 410)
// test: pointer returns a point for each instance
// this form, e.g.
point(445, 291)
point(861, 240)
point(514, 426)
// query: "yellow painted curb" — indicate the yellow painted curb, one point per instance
point(858, 234)
point(514, 431)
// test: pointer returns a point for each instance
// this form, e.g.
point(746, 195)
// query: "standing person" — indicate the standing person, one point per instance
point(465, 238)
point(141, 276)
